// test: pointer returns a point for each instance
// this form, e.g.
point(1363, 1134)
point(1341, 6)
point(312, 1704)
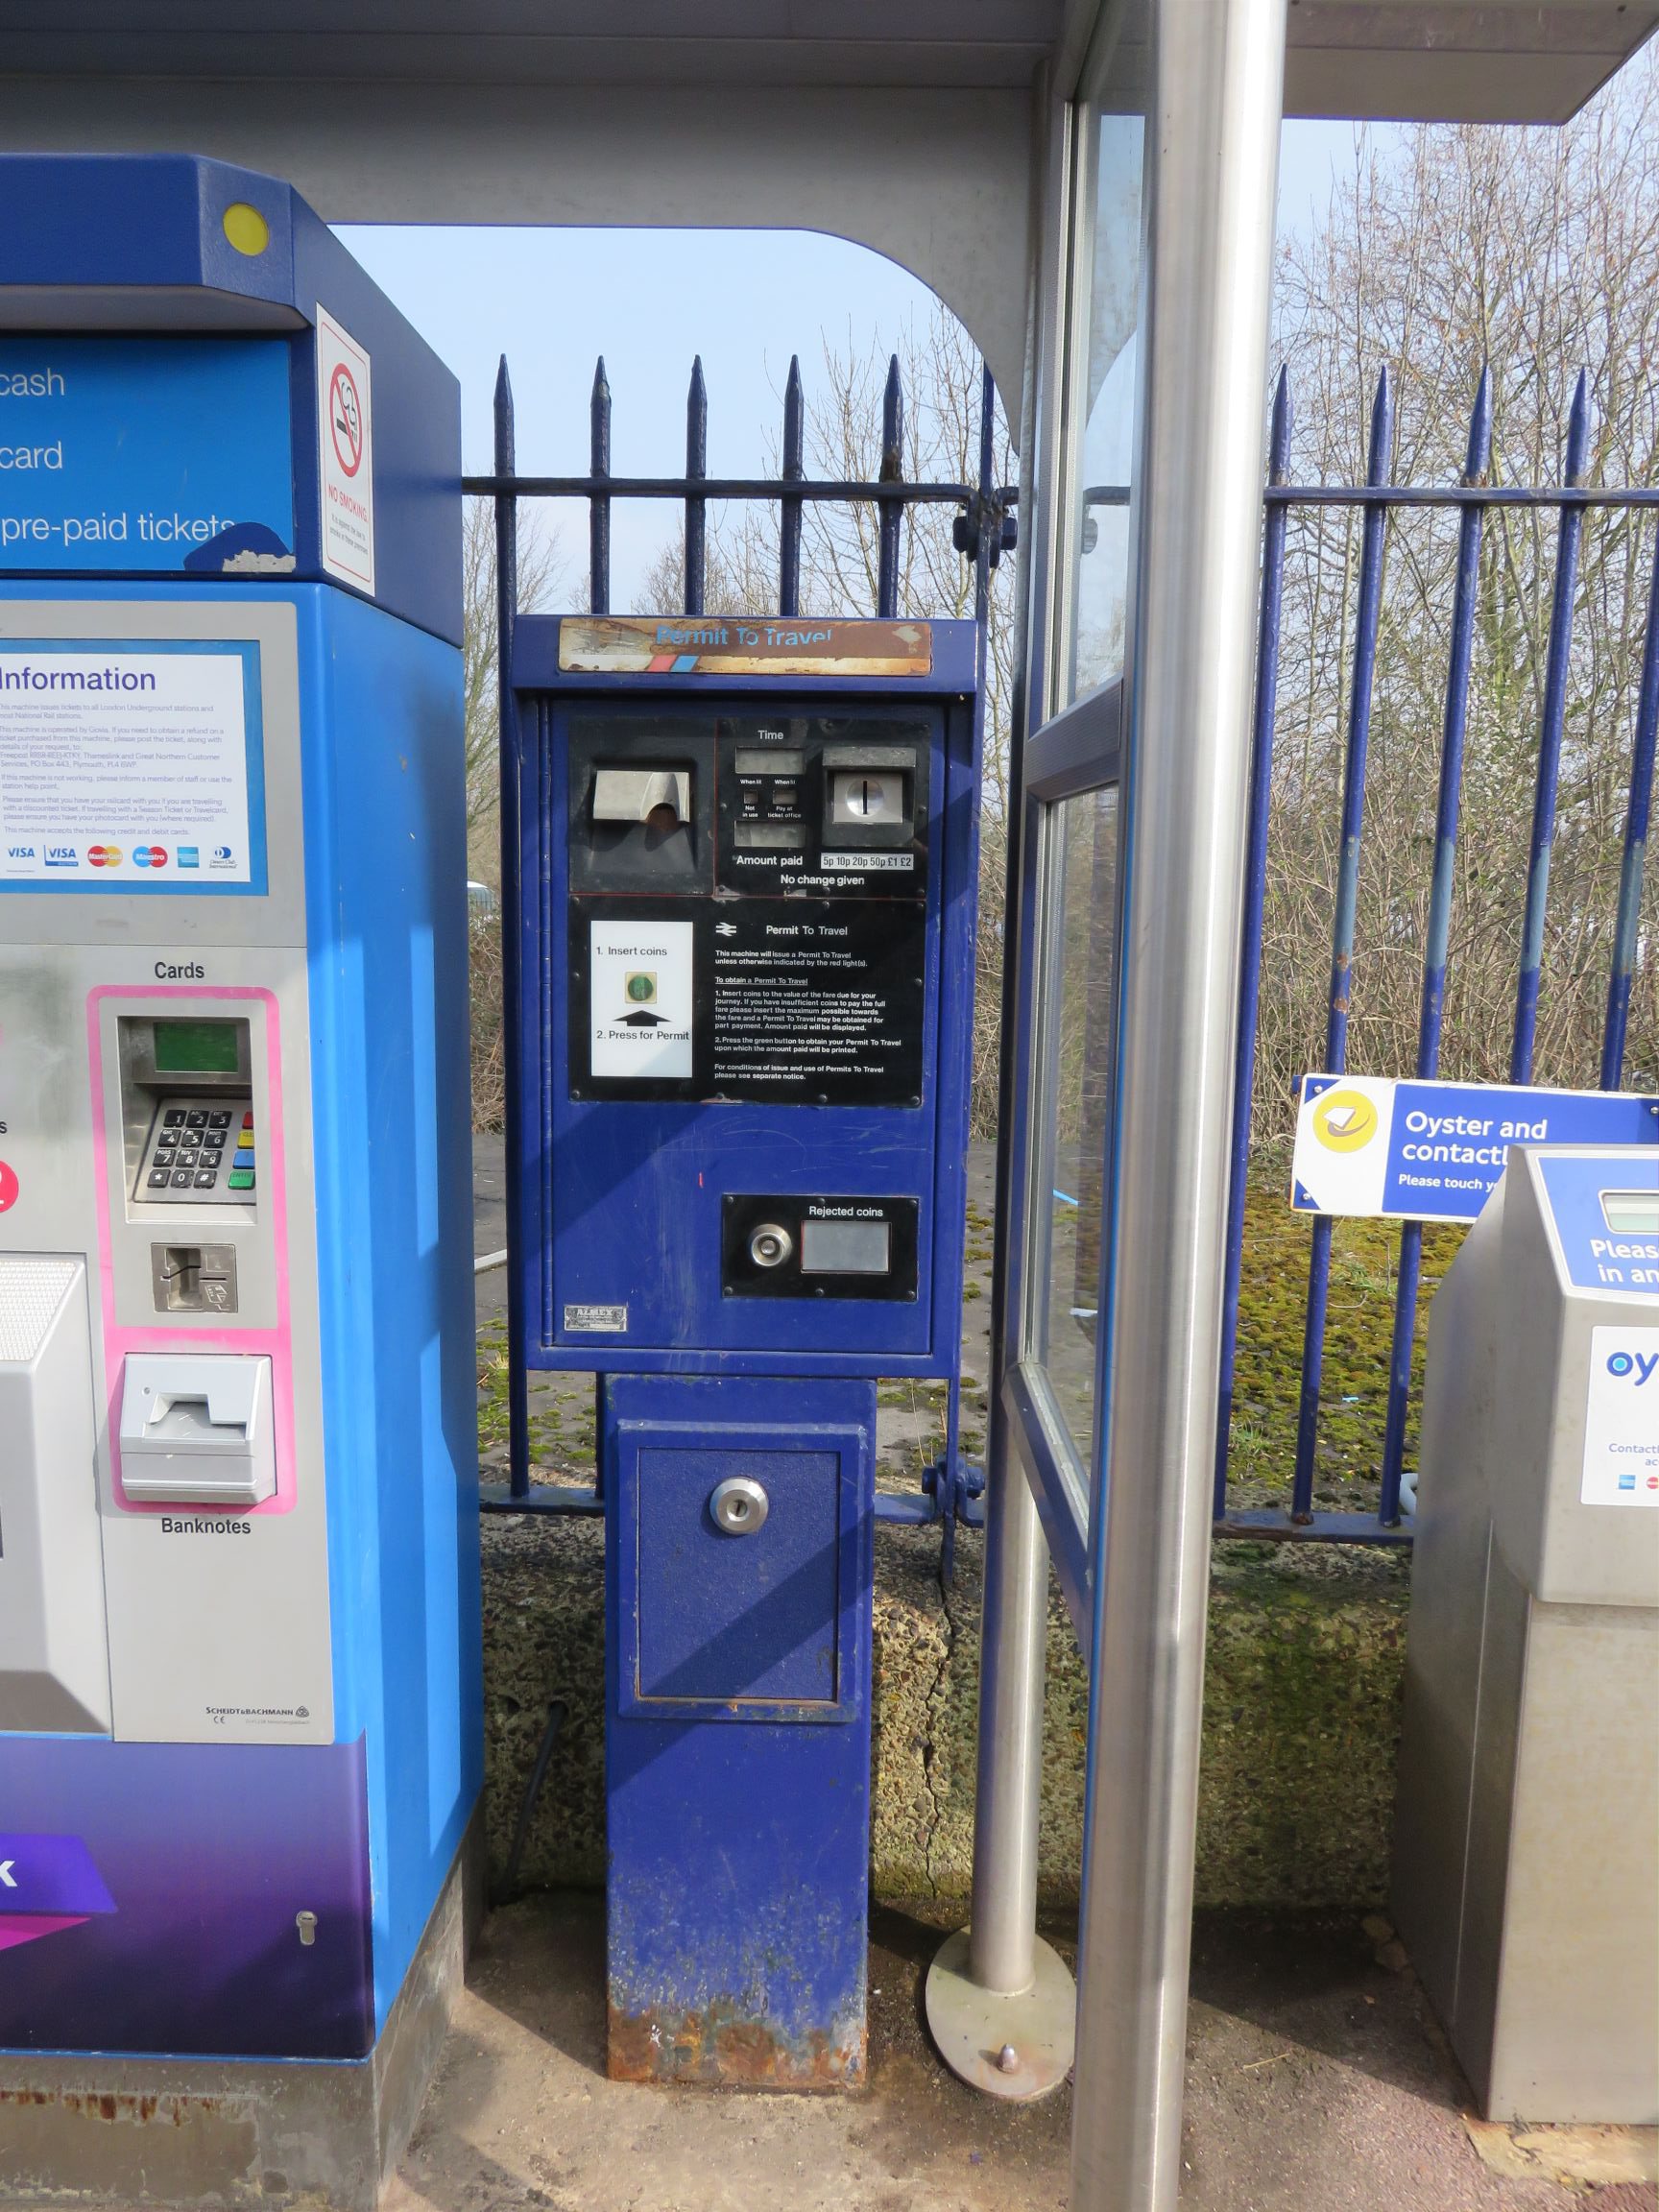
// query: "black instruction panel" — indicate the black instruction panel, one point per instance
point(748, 906)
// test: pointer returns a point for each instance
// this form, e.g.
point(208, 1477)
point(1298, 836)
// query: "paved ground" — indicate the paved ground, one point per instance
point(1316, 2083)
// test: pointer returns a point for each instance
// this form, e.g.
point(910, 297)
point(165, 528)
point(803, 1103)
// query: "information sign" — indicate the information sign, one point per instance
point(1420, 1151)
point(136, 768)
point(145, 455)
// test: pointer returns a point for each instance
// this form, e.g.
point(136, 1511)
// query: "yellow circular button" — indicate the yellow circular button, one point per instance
point(246, 229)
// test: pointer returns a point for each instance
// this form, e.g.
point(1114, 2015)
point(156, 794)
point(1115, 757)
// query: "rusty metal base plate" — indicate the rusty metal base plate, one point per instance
point(1014, 2047)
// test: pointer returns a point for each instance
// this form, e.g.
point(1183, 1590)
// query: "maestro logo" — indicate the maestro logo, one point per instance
point(150, 856)
point(1345, 1122)
point(1633, 1366)
point(103, 855)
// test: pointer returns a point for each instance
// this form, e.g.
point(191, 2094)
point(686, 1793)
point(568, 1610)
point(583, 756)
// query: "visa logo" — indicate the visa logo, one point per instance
point(62, 856)
point(21, 852)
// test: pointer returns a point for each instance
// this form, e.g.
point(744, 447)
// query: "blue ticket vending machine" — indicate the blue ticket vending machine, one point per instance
point(240, 1738)
point(746, 911)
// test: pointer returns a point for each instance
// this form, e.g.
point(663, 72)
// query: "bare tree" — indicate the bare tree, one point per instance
point(1536, 252)
point(545, 576)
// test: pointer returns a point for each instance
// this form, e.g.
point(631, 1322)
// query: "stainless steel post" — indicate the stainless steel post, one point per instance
point(1002, 1933)
point(1218, 86)
point(1001, 2002)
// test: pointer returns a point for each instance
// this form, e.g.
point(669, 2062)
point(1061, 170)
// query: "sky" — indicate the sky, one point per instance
point(554, 300)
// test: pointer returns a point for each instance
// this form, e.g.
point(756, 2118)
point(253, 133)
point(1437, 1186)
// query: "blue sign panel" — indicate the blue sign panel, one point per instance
point(146, 453)
point(1607, 1214)
point(1420, 1151)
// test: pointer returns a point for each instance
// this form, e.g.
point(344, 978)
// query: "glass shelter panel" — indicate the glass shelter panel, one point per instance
point(1104, 338)
point(1083, 845)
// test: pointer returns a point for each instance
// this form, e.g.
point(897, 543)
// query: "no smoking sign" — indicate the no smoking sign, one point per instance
point(346, 420)
point(345, 455)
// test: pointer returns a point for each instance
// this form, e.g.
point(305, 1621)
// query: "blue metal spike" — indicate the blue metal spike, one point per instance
point(599, 506)
point(511, 782)
point(1255, 896)
point(1477, 463)
point(789, 510)
point(1368, 617)
point(892, 472)
point(696, 467)
point(1568, 531)
point(1637, 813)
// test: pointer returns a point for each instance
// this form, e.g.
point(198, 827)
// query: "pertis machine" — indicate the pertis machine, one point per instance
point(1526, 1845)
point(747, 901)
point(240, 1737)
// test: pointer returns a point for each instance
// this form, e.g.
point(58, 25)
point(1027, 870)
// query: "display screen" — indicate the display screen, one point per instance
point(196, 1048)
point(758, 762)
point(844, 1247)
point(1632, 1212)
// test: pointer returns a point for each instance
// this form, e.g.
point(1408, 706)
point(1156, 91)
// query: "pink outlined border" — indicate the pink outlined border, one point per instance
point(120, 1340)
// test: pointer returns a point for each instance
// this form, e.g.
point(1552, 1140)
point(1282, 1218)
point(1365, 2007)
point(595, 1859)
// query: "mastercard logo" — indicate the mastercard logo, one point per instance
point(1345, 1121)
point(103, 855)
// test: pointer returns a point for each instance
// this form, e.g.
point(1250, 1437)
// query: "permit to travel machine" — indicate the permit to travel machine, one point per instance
point(240, 1735)
point(1527, 1834)
point(746, 910)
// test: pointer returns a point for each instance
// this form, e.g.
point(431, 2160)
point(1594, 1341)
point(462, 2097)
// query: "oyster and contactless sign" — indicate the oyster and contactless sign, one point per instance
point(1416, 1150)
point(741, 645)
point(166, 454)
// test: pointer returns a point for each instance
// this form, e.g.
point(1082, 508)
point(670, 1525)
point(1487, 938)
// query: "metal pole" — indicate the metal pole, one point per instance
point(1001, 2002)
point(1013, 1630)
point(1213, 135)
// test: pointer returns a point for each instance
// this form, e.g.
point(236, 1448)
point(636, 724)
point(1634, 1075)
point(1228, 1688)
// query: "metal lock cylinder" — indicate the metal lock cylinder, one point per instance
point(739, 1505)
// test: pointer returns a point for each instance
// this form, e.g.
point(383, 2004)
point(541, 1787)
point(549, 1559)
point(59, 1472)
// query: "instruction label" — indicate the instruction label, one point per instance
point(146, 453)
point(1621, 1419)
point(820, 1000)
point(345, 454)
point(131, 769)
point(641, 999)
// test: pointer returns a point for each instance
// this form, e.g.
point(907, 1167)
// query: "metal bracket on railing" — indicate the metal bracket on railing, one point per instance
point(985, 514)
point(945, 1498)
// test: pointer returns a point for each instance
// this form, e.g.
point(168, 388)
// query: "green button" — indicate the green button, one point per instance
point(242, 1179)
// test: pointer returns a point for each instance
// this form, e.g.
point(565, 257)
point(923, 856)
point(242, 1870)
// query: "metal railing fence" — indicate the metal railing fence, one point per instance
point(1380, 502)
point(983, 528)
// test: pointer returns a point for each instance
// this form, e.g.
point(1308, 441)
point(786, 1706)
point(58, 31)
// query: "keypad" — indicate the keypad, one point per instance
point(199, 1152)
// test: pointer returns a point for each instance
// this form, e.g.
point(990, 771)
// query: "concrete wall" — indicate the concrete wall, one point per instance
point(1301, 1721)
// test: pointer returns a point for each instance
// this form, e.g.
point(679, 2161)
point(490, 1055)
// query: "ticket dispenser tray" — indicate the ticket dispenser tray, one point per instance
point(196, 1430)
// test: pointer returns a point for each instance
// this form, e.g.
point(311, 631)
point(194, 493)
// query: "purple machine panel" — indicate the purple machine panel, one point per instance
point(198, 1900)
